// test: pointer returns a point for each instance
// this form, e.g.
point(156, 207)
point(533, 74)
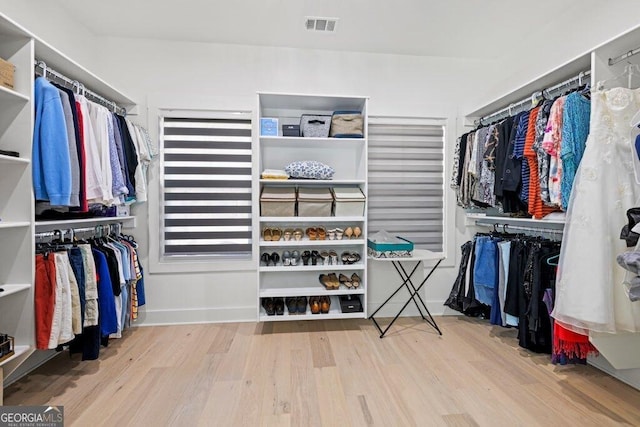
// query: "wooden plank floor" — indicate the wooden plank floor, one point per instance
point(326, 373)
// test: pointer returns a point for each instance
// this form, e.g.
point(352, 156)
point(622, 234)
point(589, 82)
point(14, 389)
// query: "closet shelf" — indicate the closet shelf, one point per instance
point(127, 222)
point(323, 182)
point(319, 267)
point(14, 224)
point(307, 242)
point(18, 351)
point(13, 160)
point(333, 314)
point(10, 289)
point(312, 219)
point(297, 141)
point(309, 291)
point(530, 222)
point(10, 95)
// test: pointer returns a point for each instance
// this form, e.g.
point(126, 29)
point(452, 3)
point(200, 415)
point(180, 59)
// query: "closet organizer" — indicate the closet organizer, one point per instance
point(21, 174)
point(598, 181)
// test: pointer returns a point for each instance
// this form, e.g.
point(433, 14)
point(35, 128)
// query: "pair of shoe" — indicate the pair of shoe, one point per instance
point(349, 257)
point(351, 283)
point(329, 258)
point(296, 305)
point(310, 256)
point(291, 234)
point(329, 281)
point(335, 234)
point(316, 233)
point(290, 258)
point(270, 259)
point(320, 304)
point(273, 306)
point(271, 234)
point(354, 232)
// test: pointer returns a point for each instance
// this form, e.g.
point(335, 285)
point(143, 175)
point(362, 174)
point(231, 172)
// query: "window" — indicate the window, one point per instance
point(206, 186)
point(406, 180)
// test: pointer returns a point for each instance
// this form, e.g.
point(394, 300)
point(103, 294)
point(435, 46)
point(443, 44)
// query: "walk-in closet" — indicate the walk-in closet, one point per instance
point(320, 214)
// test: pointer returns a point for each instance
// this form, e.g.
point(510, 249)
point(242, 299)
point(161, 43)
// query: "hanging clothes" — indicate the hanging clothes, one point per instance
point(590, 295)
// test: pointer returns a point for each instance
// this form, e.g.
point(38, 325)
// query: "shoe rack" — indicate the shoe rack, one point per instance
point(348, 157)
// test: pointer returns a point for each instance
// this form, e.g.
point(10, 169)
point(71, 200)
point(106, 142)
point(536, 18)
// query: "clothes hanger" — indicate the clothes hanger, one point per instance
point(630, 70)
point(551, 259)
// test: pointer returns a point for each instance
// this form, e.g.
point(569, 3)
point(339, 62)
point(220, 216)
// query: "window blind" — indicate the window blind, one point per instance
point(406, 181)
point(206, 175)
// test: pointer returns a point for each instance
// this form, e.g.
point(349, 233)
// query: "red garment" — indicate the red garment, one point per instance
point(44, 299)
point(570, 344)
point(82, 160)
point(537, 208)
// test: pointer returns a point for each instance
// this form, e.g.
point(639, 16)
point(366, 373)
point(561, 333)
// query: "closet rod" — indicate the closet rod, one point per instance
point(520, 227)
point(619, 58)
point(532, 99)
point(77, 87)
point(97, 229)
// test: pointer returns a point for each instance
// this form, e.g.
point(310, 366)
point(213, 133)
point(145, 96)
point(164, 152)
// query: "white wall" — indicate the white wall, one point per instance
point(194, 75)
point(49, 22)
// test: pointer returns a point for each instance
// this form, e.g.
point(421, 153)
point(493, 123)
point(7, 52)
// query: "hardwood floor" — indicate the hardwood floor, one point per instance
point(326, 373)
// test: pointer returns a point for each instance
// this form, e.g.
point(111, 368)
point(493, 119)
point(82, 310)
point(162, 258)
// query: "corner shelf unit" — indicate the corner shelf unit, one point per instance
point(348, 157)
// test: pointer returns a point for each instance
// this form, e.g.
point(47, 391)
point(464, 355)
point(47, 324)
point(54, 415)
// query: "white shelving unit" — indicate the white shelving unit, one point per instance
point(348, 157)
point(618, 352)
point(17, 223)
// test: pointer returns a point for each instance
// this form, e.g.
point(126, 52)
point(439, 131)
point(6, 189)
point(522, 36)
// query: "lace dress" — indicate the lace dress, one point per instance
point(590, 293)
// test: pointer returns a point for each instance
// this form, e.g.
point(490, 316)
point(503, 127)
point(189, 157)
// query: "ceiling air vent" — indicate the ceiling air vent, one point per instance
point(321, 24)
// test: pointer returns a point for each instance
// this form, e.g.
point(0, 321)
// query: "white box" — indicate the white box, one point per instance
point(350, 201)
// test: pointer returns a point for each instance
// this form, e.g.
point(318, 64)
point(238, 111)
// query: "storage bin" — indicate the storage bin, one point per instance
point(314, 201)
point(290, 130)
point(7, 70)
point(397, 248)
point(350, 304)
point(315, 126)
point(349, 201)
point(347, 124)
point(278, 201)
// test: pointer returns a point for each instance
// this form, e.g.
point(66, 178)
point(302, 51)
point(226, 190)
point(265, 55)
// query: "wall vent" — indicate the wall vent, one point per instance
point(314, 23)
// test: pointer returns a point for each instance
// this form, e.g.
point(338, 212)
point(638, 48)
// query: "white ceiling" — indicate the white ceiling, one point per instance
point(450, 28)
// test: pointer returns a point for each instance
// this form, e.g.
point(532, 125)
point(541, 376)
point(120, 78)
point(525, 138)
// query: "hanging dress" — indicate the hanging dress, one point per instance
point(590, 293)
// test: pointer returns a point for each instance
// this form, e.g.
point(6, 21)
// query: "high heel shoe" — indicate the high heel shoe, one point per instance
point(295, 258)
point(312, 232)
point(333, 280)
point(275, 258)
point(297, 234)
point(265, 258)
point(339, 233)
point(345, 280)
point(348, 232)
point(356, 232)
point(305, 257)
point(276, 234)
point(355, 280)
point(325, 257)
point(286, 258)
point(288, 234)
point(267, 234)
point(333, 258)
point(314, 257)
point(321, 233)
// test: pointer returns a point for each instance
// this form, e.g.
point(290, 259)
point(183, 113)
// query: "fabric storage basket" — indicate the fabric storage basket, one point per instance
point(349, 201)
point(315, 126)
point(278, 201)
point(347, 124)
point(314, 201)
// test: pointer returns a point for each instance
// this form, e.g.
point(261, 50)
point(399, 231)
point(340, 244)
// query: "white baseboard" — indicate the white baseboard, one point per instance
point(195, 315)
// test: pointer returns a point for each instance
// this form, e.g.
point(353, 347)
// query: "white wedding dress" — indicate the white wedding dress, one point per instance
point(589, 292)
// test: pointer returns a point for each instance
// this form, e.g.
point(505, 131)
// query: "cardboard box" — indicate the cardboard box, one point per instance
point(7, 71)
point(350, 201)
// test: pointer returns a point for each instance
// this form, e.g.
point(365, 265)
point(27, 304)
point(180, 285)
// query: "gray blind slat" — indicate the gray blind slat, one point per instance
point(406, 182)
point(207, 187)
